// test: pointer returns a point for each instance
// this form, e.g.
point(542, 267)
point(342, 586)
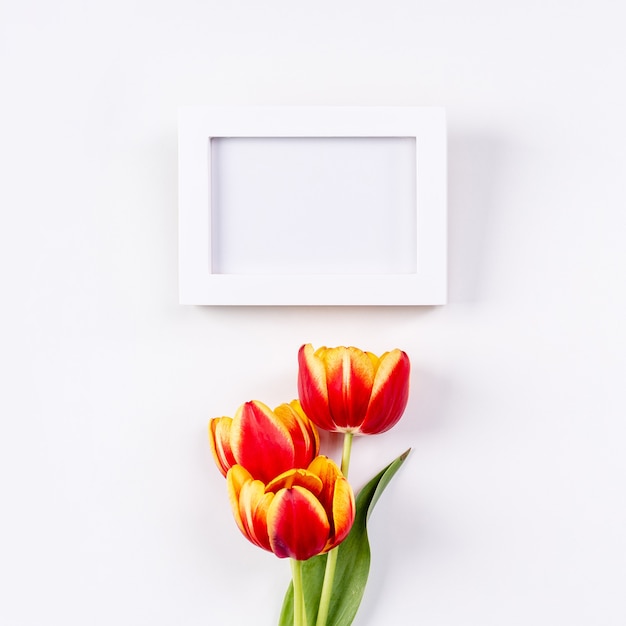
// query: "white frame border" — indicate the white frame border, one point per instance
point(199, 124)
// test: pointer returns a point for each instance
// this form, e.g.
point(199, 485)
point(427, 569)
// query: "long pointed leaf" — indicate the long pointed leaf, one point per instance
point(353, 562)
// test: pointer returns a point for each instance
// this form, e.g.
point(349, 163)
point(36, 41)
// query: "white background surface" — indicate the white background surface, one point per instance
point(511, 509)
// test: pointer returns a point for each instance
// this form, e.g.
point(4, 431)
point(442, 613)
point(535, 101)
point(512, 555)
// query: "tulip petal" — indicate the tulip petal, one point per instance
point(308, 429)
point(343, 512)
point(328, 473)
point(256, 431)
point(296, 477)
point(350, 376)
point(253, 507)
point(312, 387)
point(390, 393)
point(249, 503)
point(303, 432)
point(336, 497)
point(297, 524)
point(219, 438)
point(236, 478)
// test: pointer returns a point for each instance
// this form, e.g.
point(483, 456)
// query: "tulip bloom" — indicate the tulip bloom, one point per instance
point(348, 390)
point(265, 442)
point(298, 514)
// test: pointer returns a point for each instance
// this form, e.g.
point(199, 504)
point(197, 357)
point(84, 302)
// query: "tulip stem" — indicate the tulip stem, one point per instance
point(345, 456)
point(327, 587)
point(331, 559)
point(299, 611)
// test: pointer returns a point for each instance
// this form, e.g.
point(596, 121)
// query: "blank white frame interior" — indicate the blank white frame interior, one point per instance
point(312, 205)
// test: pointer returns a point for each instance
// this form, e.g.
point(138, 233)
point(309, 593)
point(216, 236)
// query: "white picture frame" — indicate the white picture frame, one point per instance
point(218, 140)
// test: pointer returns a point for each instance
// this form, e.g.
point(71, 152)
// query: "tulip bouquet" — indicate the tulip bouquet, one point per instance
point(290, 500)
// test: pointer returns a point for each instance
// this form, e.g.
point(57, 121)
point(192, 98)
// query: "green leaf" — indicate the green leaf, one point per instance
point(353, 562)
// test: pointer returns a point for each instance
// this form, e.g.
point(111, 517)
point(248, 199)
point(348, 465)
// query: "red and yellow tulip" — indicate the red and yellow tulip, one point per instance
point(298, 514)
point(265, 442)
point(349, 390)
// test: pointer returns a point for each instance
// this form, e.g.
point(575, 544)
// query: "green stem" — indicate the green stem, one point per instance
point(345, 455)
point(331, 560)
point(299, 612)
point(327, 587)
